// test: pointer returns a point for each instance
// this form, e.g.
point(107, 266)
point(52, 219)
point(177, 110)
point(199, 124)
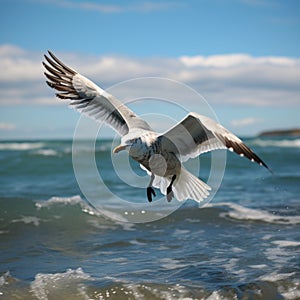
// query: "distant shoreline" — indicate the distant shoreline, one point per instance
point(280, 132)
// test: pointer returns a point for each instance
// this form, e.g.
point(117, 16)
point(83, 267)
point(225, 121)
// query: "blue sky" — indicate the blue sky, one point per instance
point(243, 56)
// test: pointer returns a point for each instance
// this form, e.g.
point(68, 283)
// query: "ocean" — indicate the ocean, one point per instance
point(243, 244)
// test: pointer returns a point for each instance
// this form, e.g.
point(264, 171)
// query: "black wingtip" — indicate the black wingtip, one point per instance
point(50, 53)
point(46, 54)
point(51, 84)
point(59, 62)
point(256, 159)
point(268, 168)
point(243, 150)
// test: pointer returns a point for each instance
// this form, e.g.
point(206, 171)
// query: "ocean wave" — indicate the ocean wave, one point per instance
point(285, 143)
point(285, 243)
point(66, 201)
point(28, 220)
point(21, 146)
point(60, 285)
point(239, 212)
point(91, 146)
point(46, 152)
point(289, 291)
point(60, 200)
point(100, 146)
point(60, 150)
point(26, 214)
point(78, 284)
point(57, 148)
point(38, 212)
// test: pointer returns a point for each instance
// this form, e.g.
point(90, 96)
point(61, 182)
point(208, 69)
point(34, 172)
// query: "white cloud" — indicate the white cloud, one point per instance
point(245, 122)
point(10, 50)
point(17, 64)
point(233, 60)
point(215, 61)
point(7, 126)
point(236, 79)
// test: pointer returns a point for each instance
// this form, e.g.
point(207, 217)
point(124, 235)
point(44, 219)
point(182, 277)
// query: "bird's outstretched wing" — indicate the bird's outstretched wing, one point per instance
point(197, 134)
point(88, 98)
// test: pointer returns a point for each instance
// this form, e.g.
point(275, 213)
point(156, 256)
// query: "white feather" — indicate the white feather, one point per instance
point(187, 186)
point(90, 99)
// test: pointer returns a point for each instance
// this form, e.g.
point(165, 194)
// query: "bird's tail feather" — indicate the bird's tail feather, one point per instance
point(187, 186)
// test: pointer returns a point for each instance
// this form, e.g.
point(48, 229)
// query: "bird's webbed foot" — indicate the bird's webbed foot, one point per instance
point(150, 189)
point(150, 192)
point(170, 193)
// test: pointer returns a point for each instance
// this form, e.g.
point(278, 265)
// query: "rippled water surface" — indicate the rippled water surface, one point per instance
point(243, 245)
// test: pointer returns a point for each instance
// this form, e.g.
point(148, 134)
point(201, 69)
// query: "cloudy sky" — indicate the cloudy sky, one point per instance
point(242, 56)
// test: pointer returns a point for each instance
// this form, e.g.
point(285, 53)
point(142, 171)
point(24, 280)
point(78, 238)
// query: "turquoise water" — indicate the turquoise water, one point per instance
point(243, 245)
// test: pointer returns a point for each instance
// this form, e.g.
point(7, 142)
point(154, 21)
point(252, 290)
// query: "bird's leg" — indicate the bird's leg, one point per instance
point(150, 189)
point(170, 193)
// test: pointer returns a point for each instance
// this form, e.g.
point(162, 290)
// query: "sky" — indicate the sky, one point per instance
point(242, 56)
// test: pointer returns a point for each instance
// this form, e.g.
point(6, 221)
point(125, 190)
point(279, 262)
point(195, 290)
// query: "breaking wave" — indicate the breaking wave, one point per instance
point(285, 143)
point(78, 284)
point(20, 146)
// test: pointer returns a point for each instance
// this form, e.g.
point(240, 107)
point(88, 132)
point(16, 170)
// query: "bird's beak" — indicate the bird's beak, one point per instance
point(119, 148)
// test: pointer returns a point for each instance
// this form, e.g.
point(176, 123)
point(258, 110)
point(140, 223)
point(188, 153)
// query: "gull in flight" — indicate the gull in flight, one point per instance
point(160, 154)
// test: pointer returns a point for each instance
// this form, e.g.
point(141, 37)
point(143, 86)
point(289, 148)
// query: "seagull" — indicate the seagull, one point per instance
point(160, 154)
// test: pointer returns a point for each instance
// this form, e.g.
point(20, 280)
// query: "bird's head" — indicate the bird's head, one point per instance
point(132, 144)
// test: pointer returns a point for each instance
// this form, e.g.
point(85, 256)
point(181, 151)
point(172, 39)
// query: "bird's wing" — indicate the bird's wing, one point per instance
point(197, 134)
point(88, 98)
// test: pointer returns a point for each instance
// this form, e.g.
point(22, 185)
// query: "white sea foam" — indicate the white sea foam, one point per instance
point(262, 266)
point(74, 200)
point(28, 220)
point(237, 250)
point(3, 278)
point(170, 263)
point(294, 143)
point(273, 277)
point(46, 152)
point(285, 243)
point(136, 242)
point(60, 285)
point(144, 291)
point(288, 291)
point(59, 200)
point(179, 232)
point(21, 146)
point(216, 296)
point(240, 212)
point(267, 237)
point(292, 292)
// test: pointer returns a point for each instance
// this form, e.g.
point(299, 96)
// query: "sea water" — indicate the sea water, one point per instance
point(243, 244)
